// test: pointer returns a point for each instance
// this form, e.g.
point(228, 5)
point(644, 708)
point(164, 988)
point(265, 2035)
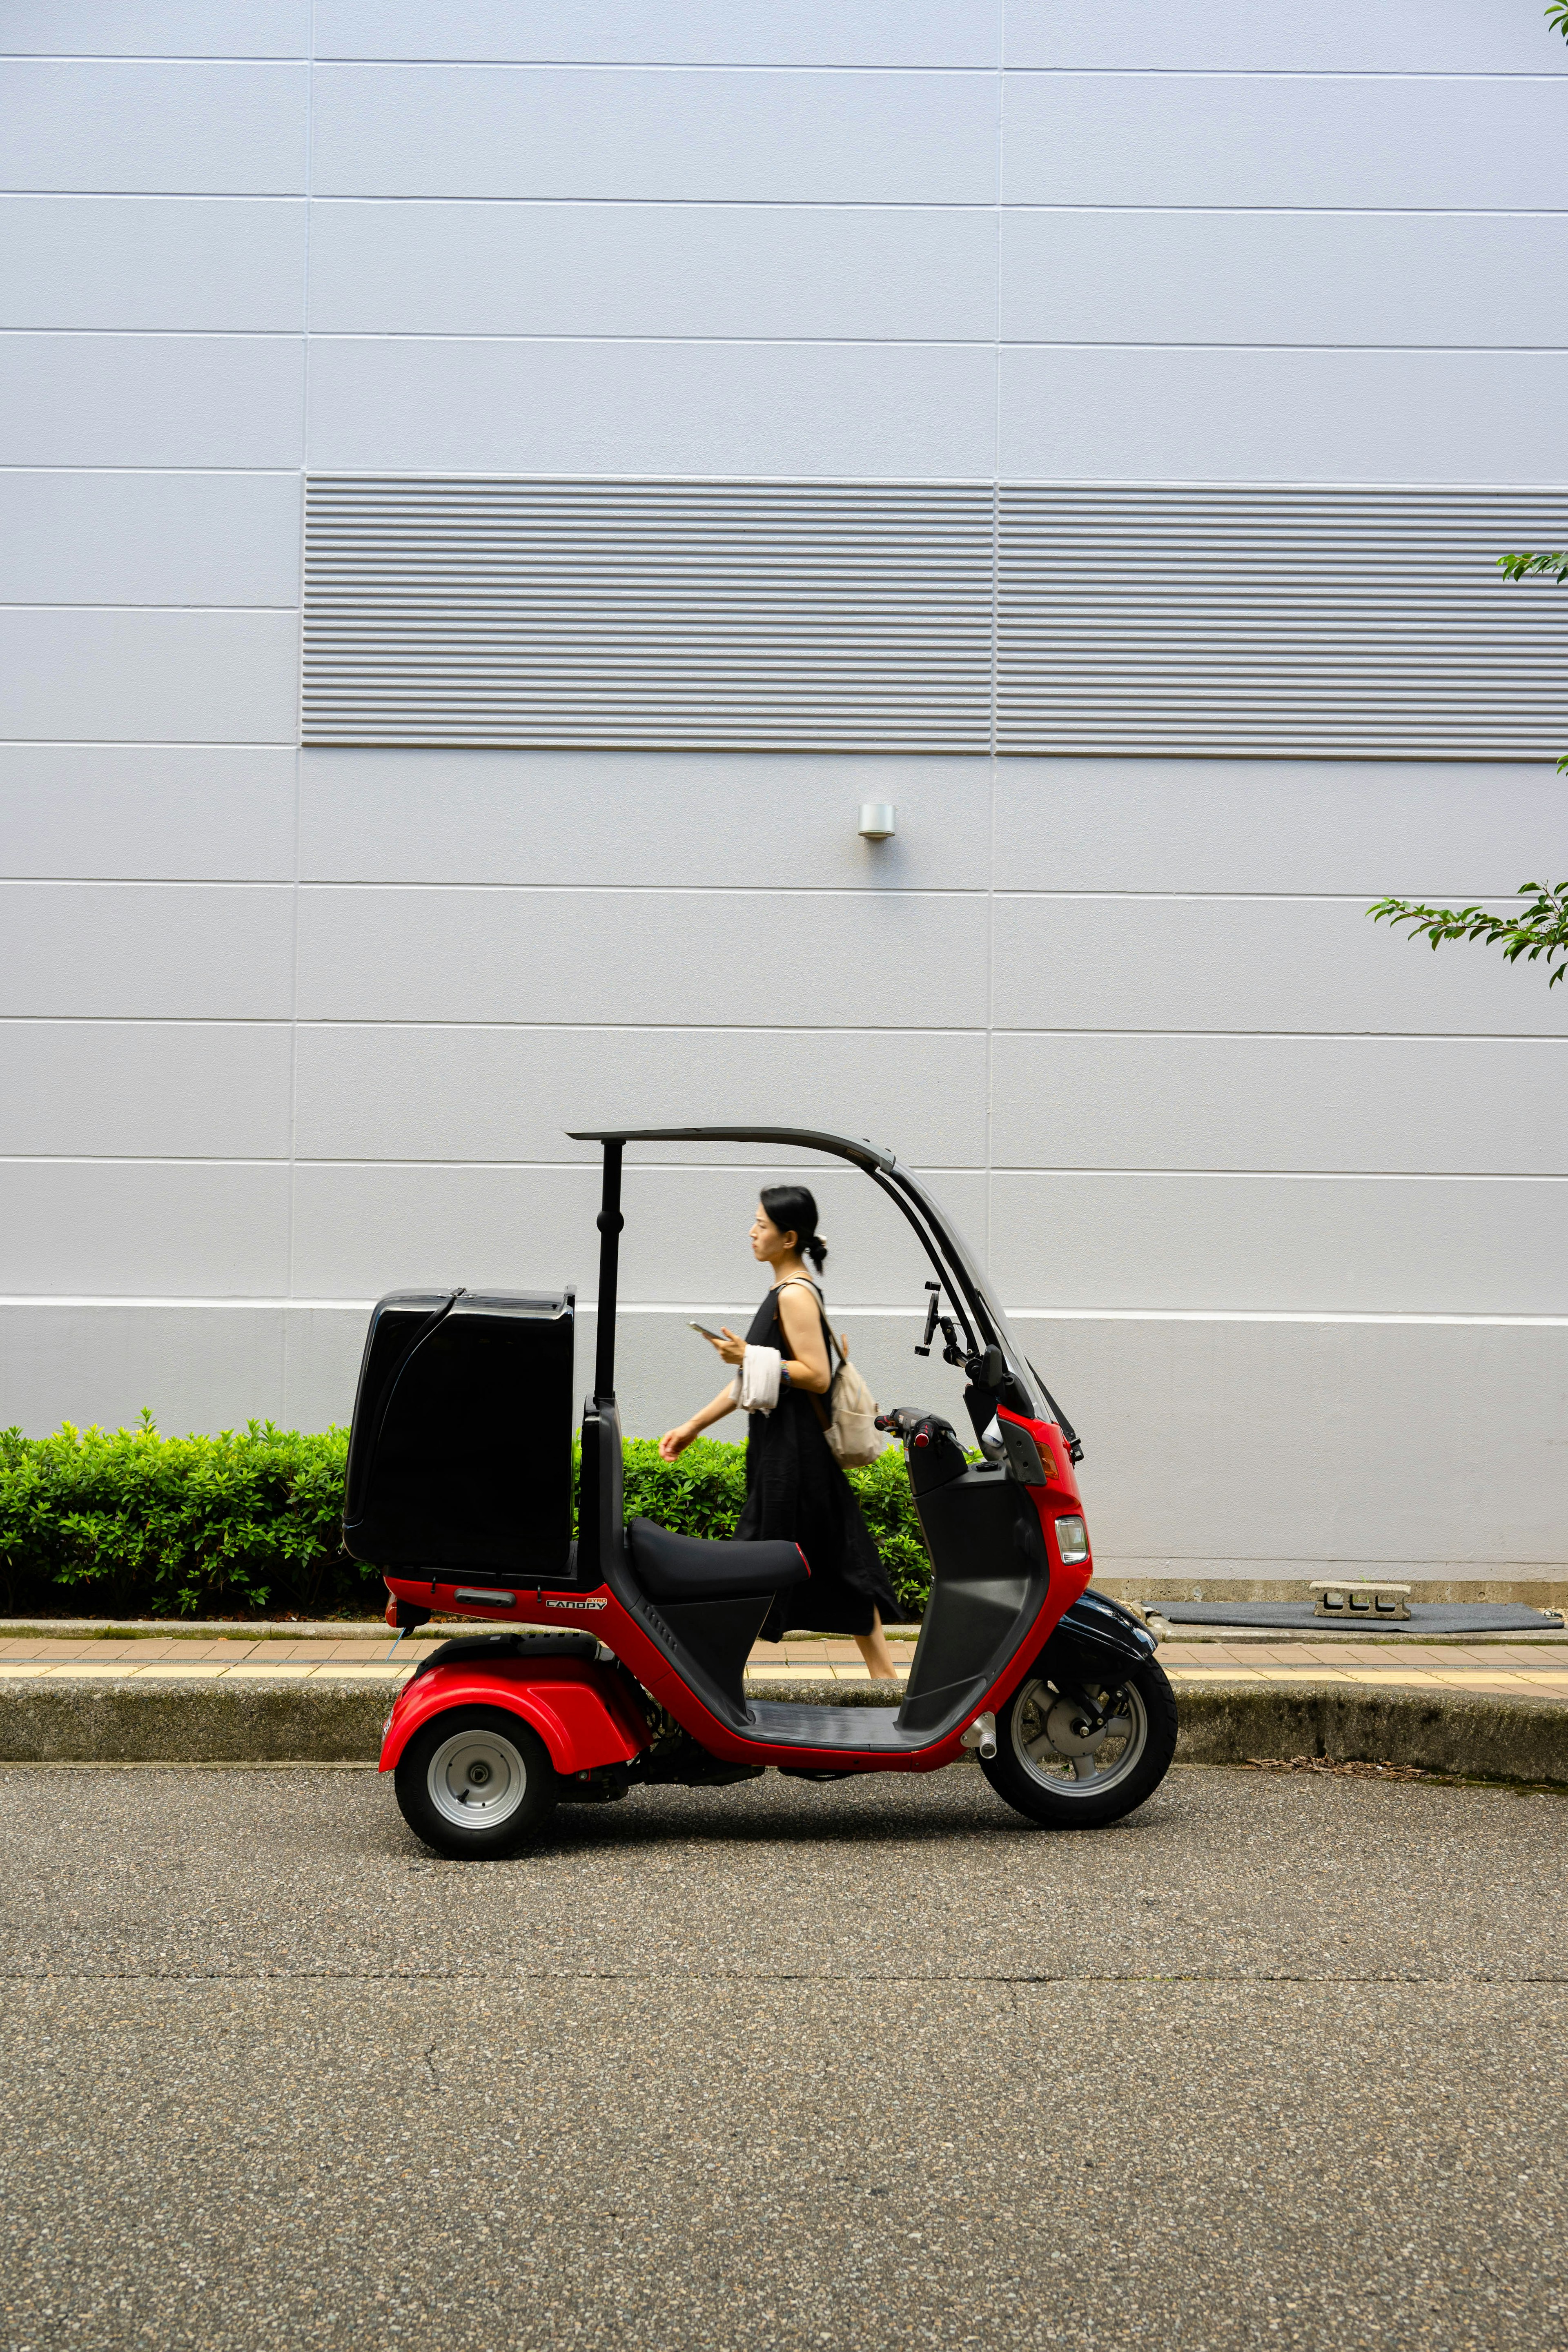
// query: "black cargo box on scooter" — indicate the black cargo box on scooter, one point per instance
point(460, 1454)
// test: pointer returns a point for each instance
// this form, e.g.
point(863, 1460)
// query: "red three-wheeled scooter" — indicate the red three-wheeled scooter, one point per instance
point(619, 1658)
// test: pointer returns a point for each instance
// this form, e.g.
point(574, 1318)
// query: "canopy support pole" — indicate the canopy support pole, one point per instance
point(610, 1222)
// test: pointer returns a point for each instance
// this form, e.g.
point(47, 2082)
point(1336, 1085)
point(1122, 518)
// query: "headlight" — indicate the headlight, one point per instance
point(1072, 1540)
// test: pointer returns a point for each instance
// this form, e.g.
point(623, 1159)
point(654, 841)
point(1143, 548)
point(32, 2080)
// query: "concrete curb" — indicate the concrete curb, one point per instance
point(97, 1720)
point(100, 1721)
point(1463, 1732)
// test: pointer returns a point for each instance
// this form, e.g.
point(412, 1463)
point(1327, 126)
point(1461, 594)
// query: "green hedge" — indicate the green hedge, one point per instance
point(128, 1523)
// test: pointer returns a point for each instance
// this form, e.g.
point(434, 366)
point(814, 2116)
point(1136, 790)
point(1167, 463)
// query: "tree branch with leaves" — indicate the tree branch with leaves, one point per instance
point(1542, 929)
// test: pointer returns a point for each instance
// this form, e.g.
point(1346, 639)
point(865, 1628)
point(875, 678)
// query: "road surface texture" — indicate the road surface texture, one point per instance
point(1280, 2061)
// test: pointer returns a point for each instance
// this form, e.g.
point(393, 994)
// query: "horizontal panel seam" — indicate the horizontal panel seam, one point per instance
point(892, 206)
point(1033, 1171)
point(273, 1302)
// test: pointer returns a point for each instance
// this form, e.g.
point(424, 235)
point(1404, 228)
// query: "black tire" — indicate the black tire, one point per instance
point(476, 1783)
point(1064, 1780)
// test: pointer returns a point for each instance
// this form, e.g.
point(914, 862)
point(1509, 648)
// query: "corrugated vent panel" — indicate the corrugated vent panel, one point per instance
point(1290, 623)
point(763, 616)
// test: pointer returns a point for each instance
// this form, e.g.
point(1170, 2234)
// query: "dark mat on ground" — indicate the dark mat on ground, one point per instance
point(1425, 1616)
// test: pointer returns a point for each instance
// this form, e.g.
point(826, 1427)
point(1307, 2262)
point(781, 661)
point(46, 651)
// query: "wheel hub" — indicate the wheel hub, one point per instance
point(477, 1780)
point(1056, 1742)
point(1068, 1729)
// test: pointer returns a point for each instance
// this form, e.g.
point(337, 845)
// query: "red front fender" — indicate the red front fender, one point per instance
point(584, 1714)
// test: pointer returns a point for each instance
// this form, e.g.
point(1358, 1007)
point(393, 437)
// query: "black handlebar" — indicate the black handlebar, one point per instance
point(916, 1428)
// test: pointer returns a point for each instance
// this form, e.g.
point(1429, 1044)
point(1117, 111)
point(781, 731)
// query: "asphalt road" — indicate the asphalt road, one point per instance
point(1280, 2061)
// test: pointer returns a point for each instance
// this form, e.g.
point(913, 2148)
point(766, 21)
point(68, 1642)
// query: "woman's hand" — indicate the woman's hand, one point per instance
point(674, 1442)
point(729, 1346)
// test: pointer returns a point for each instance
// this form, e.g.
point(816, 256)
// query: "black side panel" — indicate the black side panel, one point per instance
point(602, 1444)
point(717, 1636)
point(460, 1457)
point(990, 1572)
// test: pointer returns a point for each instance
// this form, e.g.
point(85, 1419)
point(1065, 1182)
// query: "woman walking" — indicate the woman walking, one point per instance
point(794, 1489)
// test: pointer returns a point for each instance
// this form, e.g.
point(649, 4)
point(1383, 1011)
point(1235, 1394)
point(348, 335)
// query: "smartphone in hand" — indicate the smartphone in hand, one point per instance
point(716, 1336)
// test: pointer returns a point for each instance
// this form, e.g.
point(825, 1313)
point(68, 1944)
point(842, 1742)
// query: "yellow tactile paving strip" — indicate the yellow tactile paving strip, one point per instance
point(1528, 1670)
point(337, 1661)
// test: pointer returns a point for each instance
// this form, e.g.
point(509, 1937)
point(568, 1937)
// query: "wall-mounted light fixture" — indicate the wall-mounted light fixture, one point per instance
point(878, 820)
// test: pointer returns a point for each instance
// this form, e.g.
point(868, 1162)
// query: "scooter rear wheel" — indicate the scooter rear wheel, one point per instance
point(1053, 1765)
point(476, 1783)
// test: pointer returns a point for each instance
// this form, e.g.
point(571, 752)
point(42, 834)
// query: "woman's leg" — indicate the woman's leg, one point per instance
point(873, 1648)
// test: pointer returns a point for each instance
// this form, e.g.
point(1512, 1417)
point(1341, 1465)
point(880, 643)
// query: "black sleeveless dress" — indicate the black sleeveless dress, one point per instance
point(796, 1489)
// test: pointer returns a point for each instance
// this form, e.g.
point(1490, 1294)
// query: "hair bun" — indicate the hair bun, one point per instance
point(816, 1249)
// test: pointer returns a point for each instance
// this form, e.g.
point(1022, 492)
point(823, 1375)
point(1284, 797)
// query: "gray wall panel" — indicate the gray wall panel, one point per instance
point(1196, 1463)
point(1303, 1244)
point(1378, 278)
point(680, 818)
point(1162, 416)
point(1236, 138)
point(1439, 831)
point(81, 538)
point(712, 137)
point(661, 32)
point(167, 129)
point(777, 271)
point(194, 1367)
point(1415, 36)
point(1416, 1106)
point(394, 1093)
point(861, 411)
point(139, 1228)
point(154, 400)
point(369, 1229)
point(148, 676)
point(170, 1091)
point(197, 29)
point(1253, 964)
point(903, 960)
point(134, 811)
point(133, 262)
point(128, 951)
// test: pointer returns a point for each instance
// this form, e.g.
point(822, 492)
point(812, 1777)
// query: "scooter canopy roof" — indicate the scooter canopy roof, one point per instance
point(862, 1151)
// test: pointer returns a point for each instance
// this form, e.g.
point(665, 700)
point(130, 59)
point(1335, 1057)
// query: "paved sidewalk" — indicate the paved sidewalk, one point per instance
point(1525, 1669)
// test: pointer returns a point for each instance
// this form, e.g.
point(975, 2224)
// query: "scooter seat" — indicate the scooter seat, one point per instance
point(692, 1568)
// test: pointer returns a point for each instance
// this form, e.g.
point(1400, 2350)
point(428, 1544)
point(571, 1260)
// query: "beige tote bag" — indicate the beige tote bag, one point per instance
point(849, 1412)
point(853, 1437)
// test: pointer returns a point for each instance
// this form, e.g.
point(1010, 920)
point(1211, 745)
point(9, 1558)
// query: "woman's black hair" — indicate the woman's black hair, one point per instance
point(793, 1211)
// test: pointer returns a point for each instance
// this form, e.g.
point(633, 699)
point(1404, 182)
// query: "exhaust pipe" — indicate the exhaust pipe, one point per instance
point(982, 1735)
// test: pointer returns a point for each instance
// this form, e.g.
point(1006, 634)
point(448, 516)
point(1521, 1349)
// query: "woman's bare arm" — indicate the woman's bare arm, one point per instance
point(676, 1441)
point(806, 1365)
point(807, 1362)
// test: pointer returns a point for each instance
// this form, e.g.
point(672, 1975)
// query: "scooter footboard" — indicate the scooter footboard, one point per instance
point(584, 1714)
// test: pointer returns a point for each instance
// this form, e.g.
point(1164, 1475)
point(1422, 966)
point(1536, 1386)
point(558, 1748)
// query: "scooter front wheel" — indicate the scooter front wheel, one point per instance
point(1066, 1770)
point(475, 1783)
